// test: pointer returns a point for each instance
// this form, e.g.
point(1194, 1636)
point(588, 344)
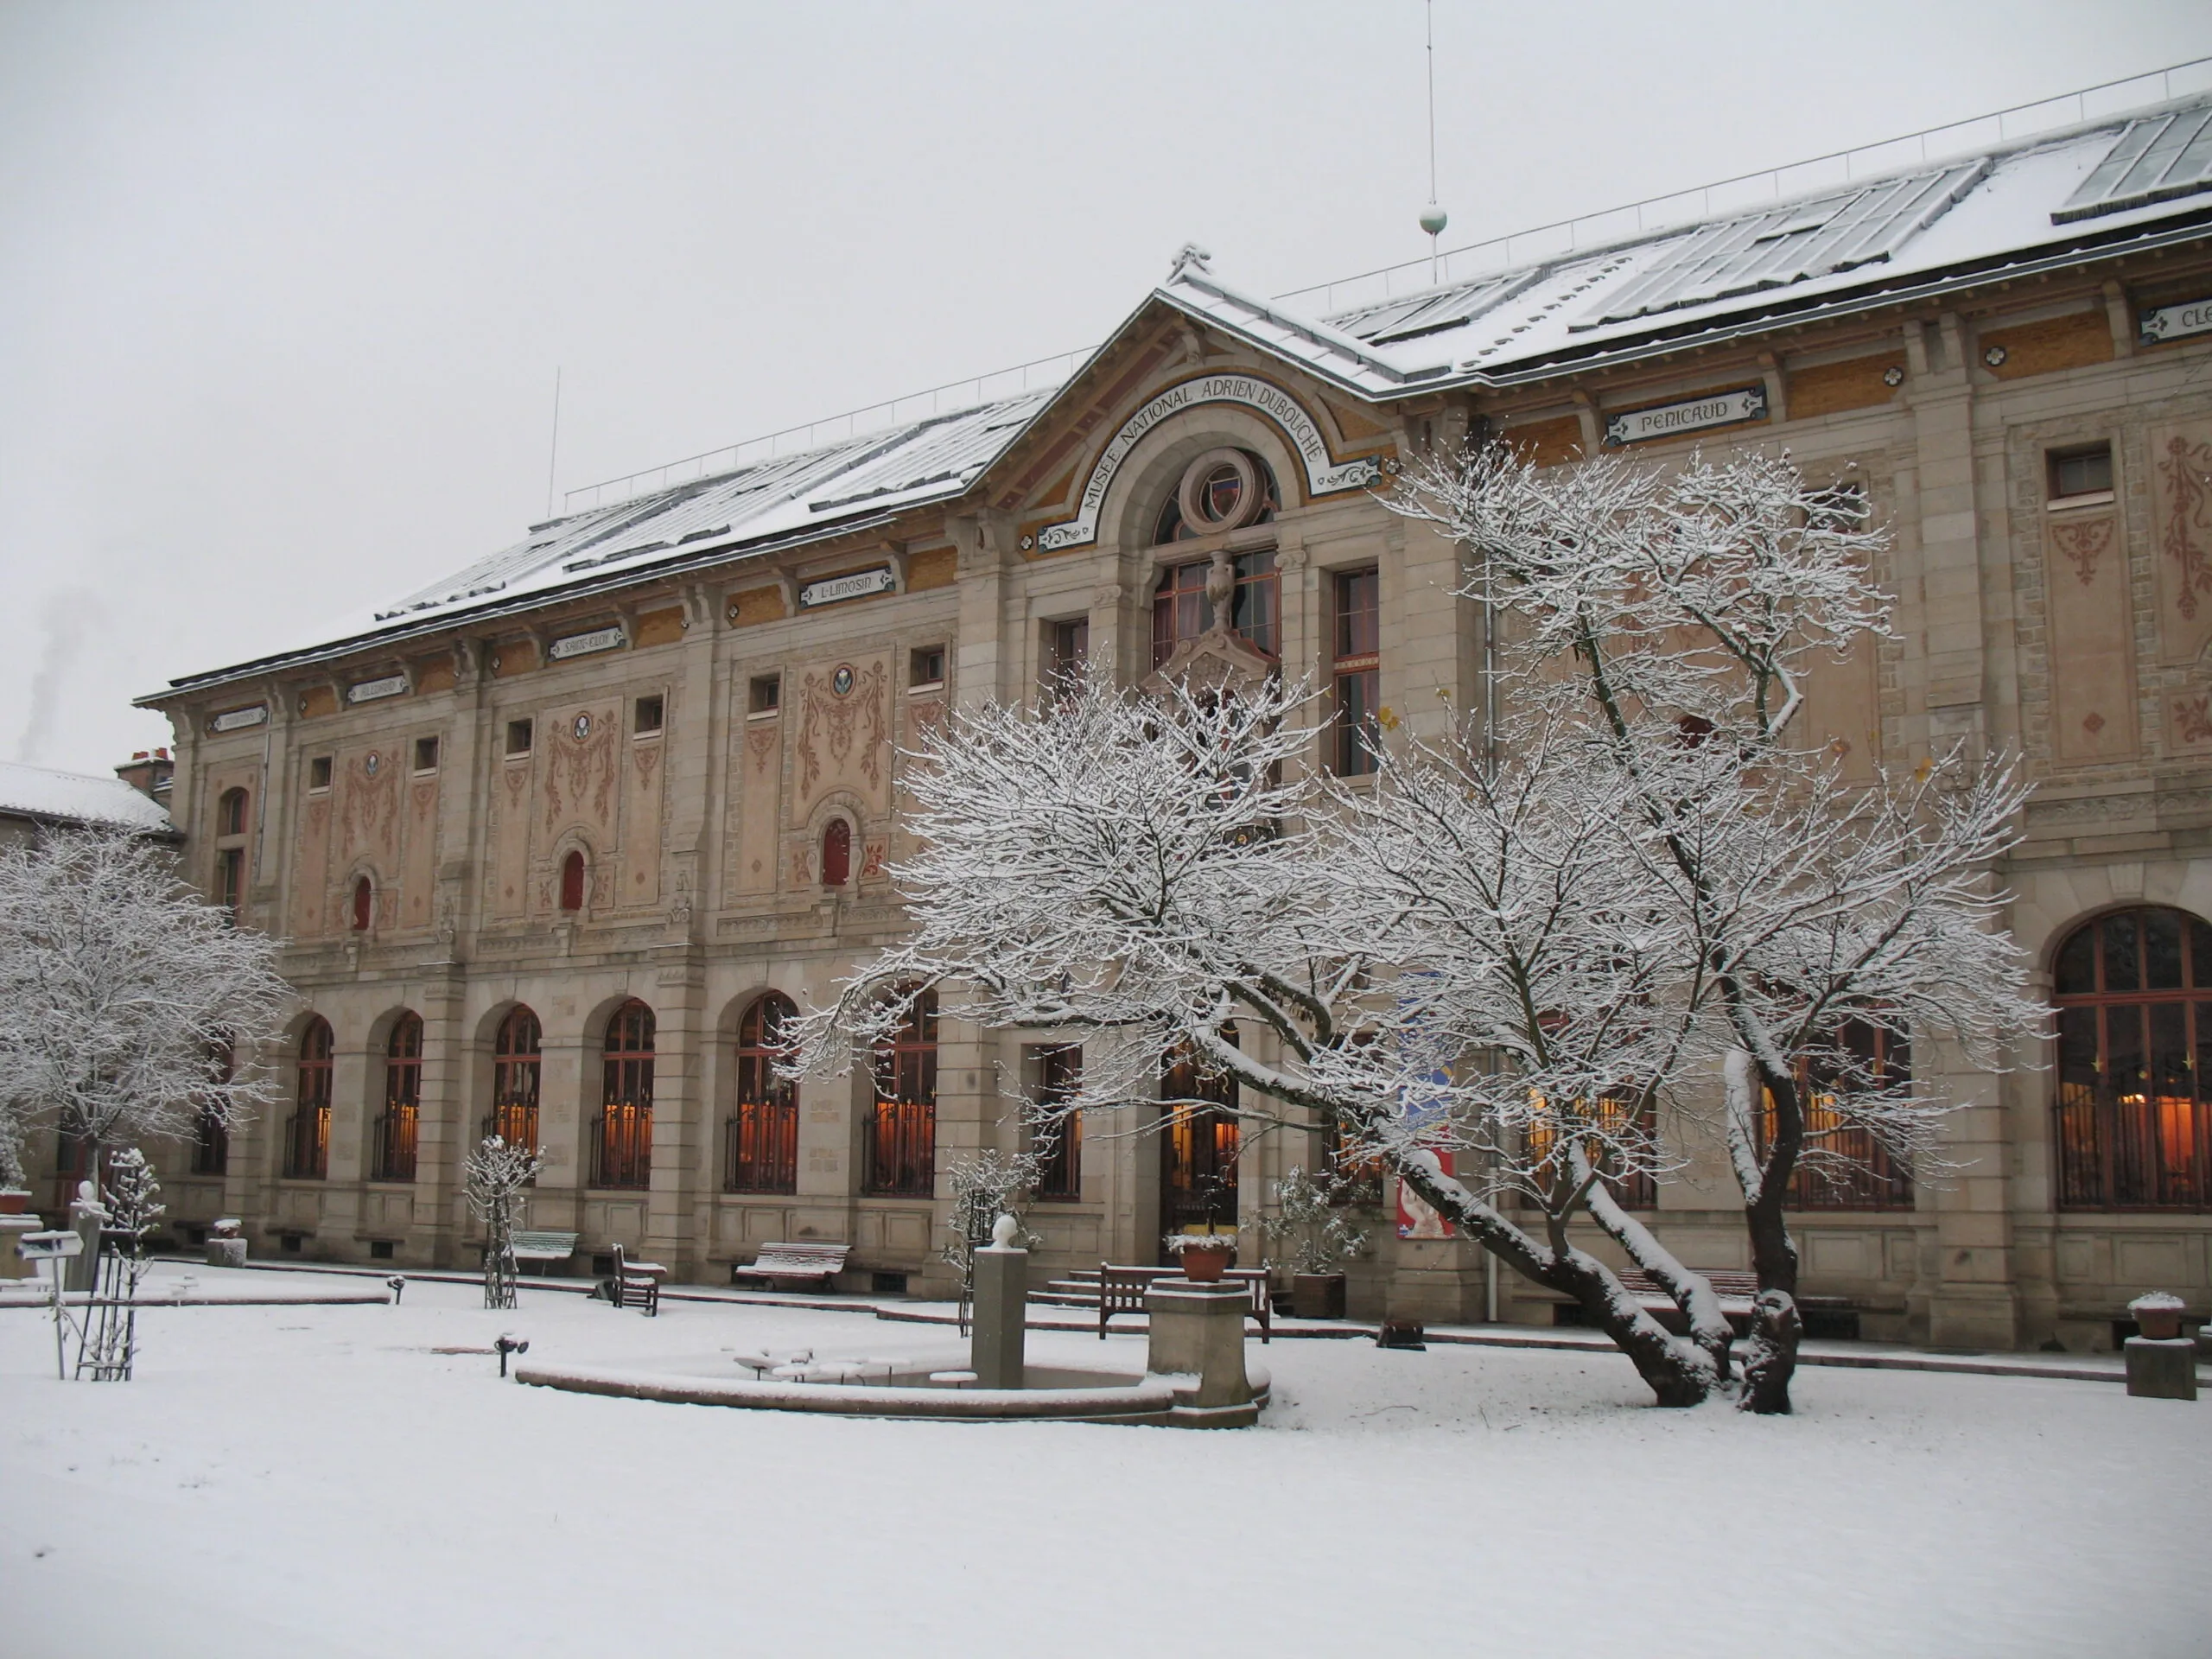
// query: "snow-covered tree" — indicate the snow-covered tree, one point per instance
point(495, 1180)
point(122, 995)
point(985, 1185)
point(1661, 629)
point(1528, 938)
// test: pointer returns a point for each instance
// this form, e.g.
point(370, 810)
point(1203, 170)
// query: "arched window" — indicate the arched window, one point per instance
point(229, 813)
point(902, 1127)
point(572, 881)
point(515, 1055)
point(402, 1101)
point(1222, 490)
point(365, 904)
point(622, 1153)
point(307, 1143)
point(1197, 1144)
point(837, 853)
point(2134, 997)
point(764, 1127)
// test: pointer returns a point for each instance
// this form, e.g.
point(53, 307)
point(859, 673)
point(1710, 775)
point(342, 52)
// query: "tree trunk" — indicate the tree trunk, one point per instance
point(1774, 1255)
point(1677, 1373)
point(1770, 1356)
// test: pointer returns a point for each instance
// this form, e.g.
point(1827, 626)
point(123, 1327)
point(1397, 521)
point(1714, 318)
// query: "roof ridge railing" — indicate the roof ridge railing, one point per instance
point(987, 388)
point(1742, 193)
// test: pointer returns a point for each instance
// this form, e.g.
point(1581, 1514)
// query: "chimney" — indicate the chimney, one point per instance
point(148, 773)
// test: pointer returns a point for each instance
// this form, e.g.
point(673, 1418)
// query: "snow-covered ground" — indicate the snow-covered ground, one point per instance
point(320, 1480)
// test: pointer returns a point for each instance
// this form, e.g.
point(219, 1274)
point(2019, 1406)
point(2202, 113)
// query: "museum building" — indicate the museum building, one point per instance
point(558, 845)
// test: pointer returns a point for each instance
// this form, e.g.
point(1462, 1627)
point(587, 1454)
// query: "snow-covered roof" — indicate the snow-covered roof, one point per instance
point(72, 797)
point(2130, 177)
point(2138, 178)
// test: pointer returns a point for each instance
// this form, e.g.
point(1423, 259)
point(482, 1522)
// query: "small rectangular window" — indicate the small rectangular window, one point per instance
point(518, 736)
point(927, 666)
point(319, 773)
point(1067, 653)
point(767, 694)
point(1358, 735)
point(647, 715)
point(2085, 471)
point(426, 754)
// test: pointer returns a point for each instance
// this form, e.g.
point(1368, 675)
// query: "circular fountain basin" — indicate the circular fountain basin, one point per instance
point(1051, 1393)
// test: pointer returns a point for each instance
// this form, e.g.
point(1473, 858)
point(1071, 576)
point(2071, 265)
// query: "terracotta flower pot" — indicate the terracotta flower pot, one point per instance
point(2159, 1324)
point(1204, 1267)
point(14, 1201)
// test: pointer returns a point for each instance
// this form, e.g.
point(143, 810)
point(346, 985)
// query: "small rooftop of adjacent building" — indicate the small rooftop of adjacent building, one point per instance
point(48, 796)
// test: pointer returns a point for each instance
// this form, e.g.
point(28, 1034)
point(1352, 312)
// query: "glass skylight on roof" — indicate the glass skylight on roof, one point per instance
point(1424, 314)
point(2157, 156)
point(1793, 243)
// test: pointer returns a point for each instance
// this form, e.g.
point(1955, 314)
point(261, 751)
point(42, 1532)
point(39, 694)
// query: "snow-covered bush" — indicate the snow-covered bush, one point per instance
point(495, 1181)
point(1310, 1223)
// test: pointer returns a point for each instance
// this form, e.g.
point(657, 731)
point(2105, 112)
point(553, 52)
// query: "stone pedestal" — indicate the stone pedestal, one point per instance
point(226, 1252)
point(12, 1265)
point(1000, 1323)
point(2162, 1368)
point(1198, 1331)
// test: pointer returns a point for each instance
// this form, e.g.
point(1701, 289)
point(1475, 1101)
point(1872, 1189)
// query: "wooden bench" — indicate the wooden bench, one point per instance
point(1736, 1289)
point(636, 1284)
point(778, 1263)
point(545, 1249)
point(1120, 1290)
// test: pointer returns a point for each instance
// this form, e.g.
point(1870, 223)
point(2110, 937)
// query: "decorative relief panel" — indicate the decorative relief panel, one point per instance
point(2181, 518)
point(641, 824)
point(2091, 638)
point(842, 738)
point(759, 763)
point(510, 839)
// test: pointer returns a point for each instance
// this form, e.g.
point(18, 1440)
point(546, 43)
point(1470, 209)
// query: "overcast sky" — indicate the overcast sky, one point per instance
point(283, 287)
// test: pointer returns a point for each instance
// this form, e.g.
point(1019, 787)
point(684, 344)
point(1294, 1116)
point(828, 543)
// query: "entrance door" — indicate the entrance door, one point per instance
point(1197, 1148)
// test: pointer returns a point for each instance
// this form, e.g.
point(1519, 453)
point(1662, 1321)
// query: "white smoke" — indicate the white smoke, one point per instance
point(67, 620)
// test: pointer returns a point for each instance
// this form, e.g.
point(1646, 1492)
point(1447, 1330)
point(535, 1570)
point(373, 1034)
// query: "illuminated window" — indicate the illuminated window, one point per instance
point(764, 1127)
point(516, 1063)
point(622, 1150)
point(306, 1141)
point(2134, 995)
point(398, 1124)
point(1056, 1074)
point(902, 1124)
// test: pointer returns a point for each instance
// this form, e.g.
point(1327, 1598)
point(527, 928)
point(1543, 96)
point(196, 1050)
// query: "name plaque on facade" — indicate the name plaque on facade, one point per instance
point(1323, 476)
point(1692, 415)
point(859, 585)
point(391, 685)
point(2175, 321)
point(236, 720)
point(582, 645)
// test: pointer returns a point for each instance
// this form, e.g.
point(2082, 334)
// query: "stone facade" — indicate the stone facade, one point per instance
point(697, 765)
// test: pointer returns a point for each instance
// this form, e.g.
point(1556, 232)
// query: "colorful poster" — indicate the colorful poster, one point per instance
point(1417, 1218)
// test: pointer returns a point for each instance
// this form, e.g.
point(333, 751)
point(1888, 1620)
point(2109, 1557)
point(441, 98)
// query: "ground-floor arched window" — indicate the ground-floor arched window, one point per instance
point(398, 1124)
point(2133, 991)
point(622, 1152)
point(515, 1064)
point(902, 1122)
point(306, 1140)
point(764, 1121)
